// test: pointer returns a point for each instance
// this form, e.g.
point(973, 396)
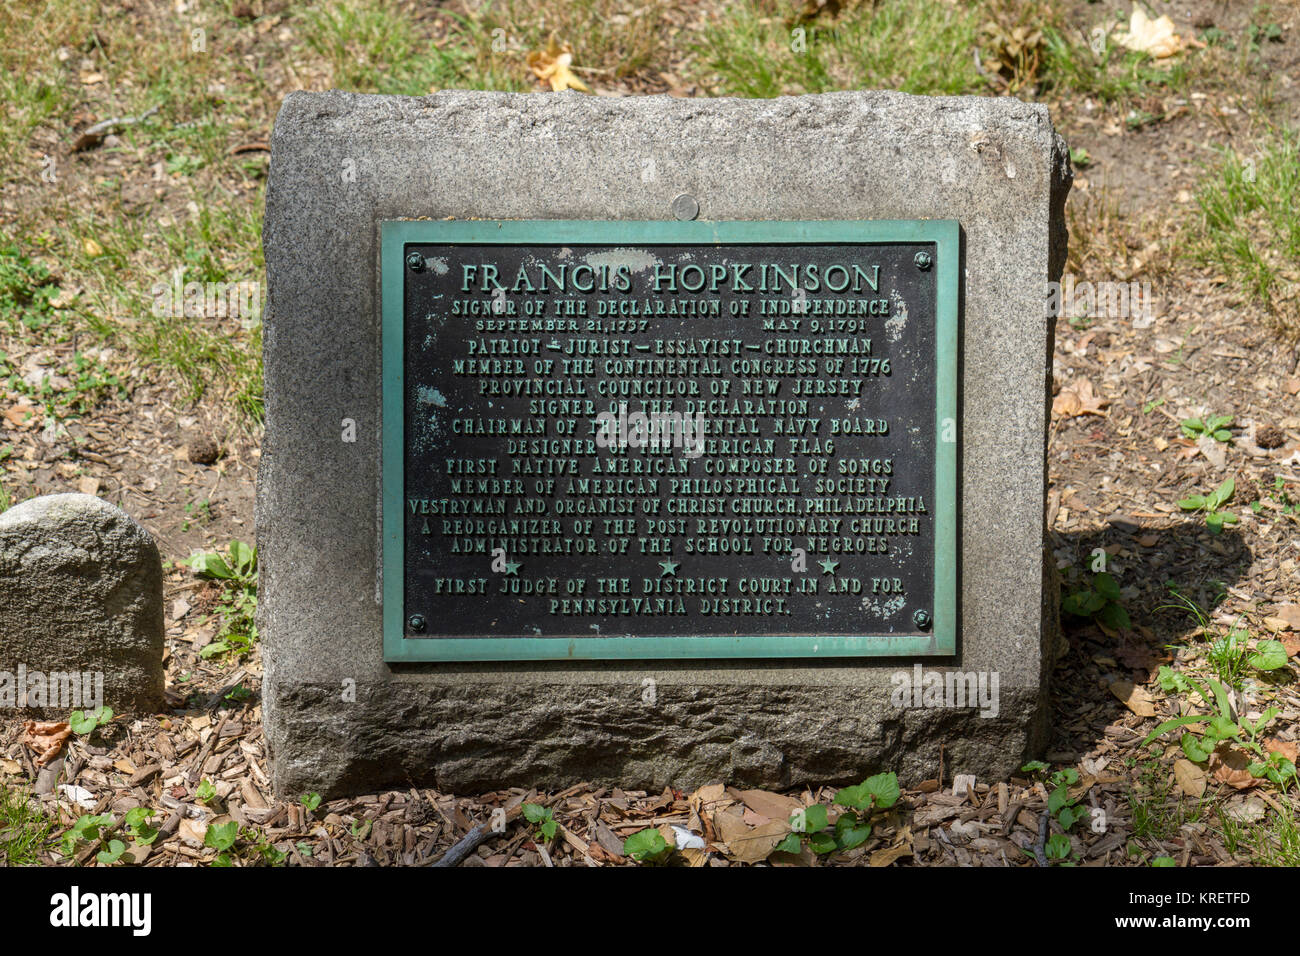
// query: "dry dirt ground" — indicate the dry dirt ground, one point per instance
point(1119, 463)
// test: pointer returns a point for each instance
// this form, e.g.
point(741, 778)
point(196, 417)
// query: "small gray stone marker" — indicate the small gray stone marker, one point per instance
point(339, 718)
point(80, 594)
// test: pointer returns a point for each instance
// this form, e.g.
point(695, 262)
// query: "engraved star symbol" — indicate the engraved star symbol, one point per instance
point(669, 567)
point(828, 566)
point(512, 567)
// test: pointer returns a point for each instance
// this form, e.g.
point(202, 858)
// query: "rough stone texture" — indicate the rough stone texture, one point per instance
point(996, 165)
point(81, 591)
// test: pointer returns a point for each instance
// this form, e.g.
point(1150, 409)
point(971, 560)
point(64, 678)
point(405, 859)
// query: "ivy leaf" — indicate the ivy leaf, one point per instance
point(1268, 656)
point(646, 844)
point(1114, 617)
point(1196, 751)
point(221, 836)
point(1057, 799)
point(1058, 846)
point(1106, 586)
point(114, 852)
point(1091, 602)
point(790, 844)
point(855, 797)
point(822, 842)
point(883, 788)
point(849, 833)
point(1071, 815)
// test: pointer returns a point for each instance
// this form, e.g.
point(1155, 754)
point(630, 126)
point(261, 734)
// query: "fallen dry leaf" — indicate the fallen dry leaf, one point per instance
point(1154, 37)
point(1275, 745)
point(768, 805)
point(1229, 765)
point(1191, 778)
point(45, 738)
point(1135, 698)
point(1078, 398)
point(887, 857)
point(1289, 614)
point(21, 416)
point(553, 66)
point(746, 844)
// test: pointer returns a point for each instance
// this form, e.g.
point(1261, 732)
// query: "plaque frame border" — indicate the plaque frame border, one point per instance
point(941, 638)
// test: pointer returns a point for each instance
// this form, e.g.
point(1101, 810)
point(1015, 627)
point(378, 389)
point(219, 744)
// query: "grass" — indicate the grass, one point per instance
point(377, 47)
point(1274, 842)
point(92, 61)
point(917, 46)
point(24, 831)
point(1159, 810)
point(1107, 71)
point(1249, 225)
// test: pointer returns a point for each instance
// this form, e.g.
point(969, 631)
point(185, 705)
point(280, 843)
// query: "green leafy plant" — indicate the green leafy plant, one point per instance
point(852, 827)
point(1275, 767)
point(88, 829)
point(111, 853)
point(1220, 726)
point(310, 800)
point(543, 819)
point(1229, 652)
point(237, 570)
point(1064, 808)
point(647, 846)
point(221, 837)
point(137, 825)
point(1058, 848)
point(267, 851)
point(83, 723)
point(1269, 655)
point(811, 823)
point(1210, 504)
point(1217, 427)
point(205, 792)
point(1163, 861)
point(1286, 504)
point(26, 288)
point(1098, 599)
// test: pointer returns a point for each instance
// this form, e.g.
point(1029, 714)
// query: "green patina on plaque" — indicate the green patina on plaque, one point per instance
point(658, 440)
